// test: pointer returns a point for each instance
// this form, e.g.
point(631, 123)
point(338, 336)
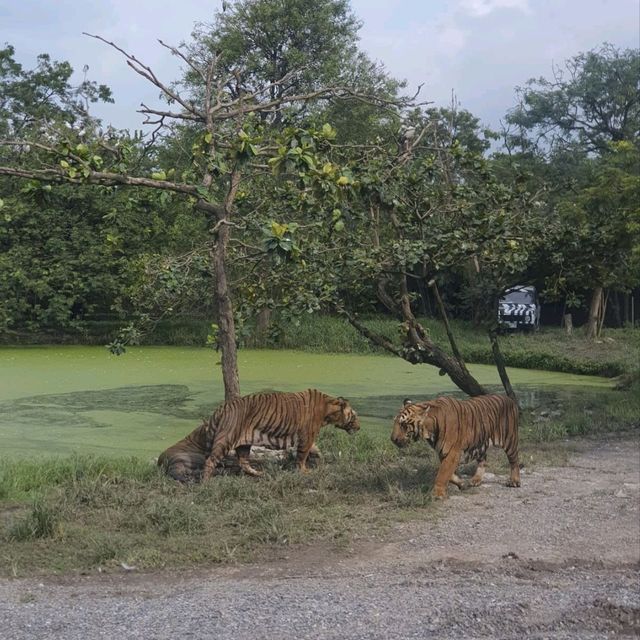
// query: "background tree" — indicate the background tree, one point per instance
point(577, 121)
point(390, 216)
point(224, 114)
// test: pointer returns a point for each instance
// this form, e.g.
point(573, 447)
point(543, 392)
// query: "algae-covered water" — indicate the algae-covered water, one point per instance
point(59, 400)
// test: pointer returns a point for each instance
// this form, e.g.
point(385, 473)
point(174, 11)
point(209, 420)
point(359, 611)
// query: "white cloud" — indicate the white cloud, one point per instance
point(451, 40)
point(479, 8)
point(481, 49)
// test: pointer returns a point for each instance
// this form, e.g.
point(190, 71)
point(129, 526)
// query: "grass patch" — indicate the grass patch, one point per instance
point(82, 513)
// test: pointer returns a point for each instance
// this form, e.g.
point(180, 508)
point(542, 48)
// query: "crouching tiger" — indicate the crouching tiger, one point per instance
point(184, 461)
point(455, 426)
point(279, 420)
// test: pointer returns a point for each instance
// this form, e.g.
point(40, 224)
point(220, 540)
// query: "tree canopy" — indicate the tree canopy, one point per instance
point(288, 174)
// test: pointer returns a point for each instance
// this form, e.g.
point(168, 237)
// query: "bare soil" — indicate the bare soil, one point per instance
point(558, 558)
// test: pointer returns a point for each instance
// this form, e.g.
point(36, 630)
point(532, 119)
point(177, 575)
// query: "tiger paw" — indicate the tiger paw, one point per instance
point(513, 483)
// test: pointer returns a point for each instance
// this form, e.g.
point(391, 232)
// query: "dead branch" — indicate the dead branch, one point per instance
point(176, 52)
point(146, 72)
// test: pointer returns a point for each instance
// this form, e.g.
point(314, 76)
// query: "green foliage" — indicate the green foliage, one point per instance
point(578, 140)
point(305, 41)
point(588, 104)
point(43, 94)
point(377, 213)
point(600, 242)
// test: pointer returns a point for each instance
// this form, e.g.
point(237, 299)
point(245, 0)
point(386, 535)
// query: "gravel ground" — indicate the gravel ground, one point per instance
point(558, 558)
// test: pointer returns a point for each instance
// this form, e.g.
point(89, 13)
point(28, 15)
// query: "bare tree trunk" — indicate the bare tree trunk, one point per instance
point(594, 313)
point(601, 315)
point(226, 323)
point(563, 317)
point(445, 320)
point(425, 352)
point(500, 365)
point(568, 324)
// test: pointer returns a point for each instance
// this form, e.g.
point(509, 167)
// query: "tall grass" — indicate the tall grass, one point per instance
point(32, 477)
point(83, 513)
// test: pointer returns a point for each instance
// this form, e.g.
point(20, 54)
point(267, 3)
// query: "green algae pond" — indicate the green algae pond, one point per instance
point(60, 400)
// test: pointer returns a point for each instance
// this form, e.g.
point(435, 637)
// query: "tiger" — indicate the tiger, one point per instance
point(455, 426)
point(184, 461)
point(279, 420)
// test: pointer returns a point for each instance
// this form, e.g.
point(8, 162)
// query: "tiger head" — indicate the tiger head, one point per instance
point(414, 422)
point(341, 414)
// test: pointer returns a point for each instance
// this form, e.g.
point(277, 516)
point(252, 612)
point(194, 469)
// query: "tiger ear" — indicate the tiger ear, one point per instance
point(406, 402)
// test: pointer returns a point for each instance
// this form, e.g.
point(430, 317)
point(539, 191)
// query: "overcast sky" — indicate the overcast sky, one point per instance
point(481, 49)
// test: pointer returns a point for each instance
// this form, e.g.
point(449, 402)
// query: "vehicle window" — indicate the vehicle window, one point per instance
point(521, 297)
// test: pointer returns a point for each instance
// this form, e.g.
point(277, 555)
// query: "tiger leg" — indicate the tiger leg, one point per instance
point(304, 447)
point(314, 452)
point(243, 460)
point(221, 447)
point(448, 466)
point(476, 479)
point(459, 482)
point(514, 477)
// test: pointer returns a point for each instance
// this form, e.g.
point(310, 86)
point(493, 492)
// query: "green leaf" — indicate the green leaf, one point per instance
point(328, 131)
point(203, 192)
point(208, 137)
point(278, 229)
point(159, 175)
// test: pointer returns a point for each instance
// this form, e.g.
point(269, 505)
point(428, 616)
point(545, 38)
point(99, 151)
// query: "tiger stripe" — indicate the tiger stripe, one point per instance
point(454, 427)
point(279, 419)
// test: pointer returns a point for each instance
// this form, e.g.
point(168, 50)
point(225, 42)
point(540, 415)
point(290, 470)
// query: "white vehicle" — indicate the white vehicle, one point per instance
point(518, 308)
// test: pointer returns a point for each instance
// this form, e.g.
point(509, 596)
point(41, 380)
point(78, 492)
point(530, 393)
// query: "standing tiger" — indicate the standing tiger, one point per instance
point(455, 426)
point(279, 420)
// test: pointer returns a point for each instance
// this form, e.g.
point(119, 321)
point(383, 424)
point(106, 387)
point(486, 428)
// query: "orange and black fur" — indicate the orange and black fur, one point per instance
point(184, 461)
point(455, 426)
point(278, 420)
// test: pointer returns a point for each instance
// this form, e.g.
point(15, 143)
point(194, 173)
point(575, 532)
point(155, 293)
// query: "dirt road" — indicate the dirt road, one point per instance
point(558, 558)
